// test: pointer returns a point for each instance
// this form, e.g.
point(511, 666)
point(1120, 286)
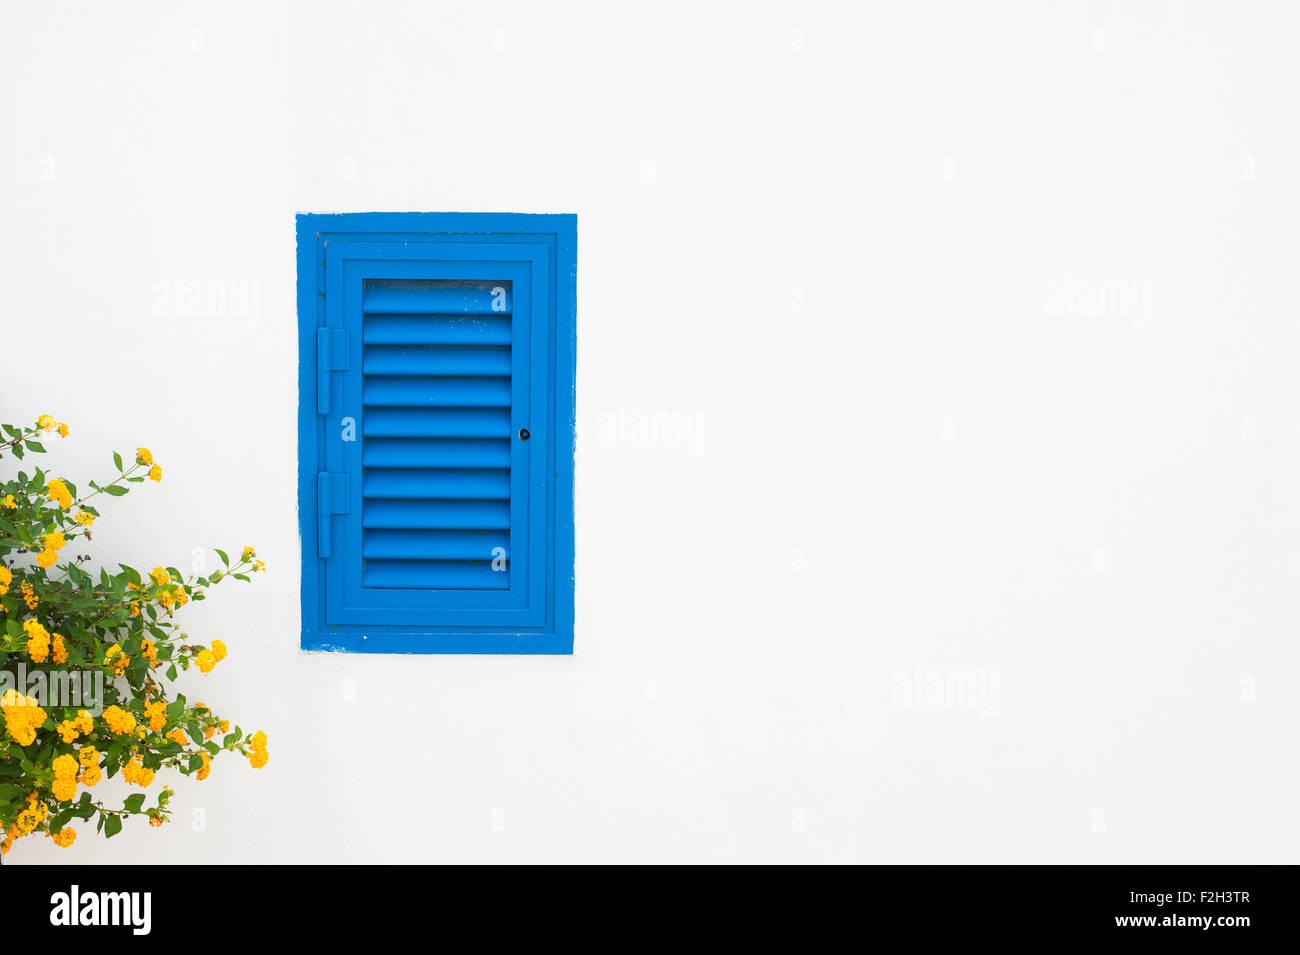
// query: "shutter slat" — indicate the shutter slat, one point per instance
point(434, 575)
point(431, 545)
point(436, 330)
point(436, 360)
point(436, 392)
point(444, 298)
point(436, 423)
point(435, 483)
point(436, 515)
point(436, 453)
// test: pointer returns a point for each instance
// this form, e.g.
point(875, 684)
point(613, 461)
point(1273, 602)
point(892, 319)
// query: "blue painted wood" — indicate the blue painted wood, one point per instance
point(437, 360)
point(464, 298)
point(332, 493)
point(409, 391)
point(437, 452)
point(458, 535)
point(331, 356)
point(454, 483)
point(437, 330)
point(437, 545)
point(439, 574)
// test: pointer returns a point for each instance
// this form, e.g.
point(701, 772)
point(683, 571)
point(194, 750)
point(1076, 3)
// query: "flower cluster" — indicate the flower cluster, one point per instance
point(22, 716)
point(56, 615)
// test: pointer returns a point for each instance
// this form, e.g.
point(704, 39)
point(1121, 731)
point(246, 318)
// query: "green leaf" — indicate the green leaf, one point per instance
point(222, 554)
point(116, 490)
point(117, 460)
point(133, 802)
point(35, 446)
point(113, 825)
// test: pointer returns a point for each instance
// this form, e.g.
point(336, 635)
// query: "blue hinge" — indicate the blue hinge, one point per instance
point(331, 355)
point(331, 498)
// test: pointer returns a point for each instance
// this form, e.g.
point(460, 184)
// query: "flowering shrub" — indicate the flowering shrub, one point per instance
point(64, 626)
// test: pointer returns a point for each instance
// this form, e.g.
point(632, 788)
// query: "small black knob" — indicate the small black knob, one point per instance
point(523, 434)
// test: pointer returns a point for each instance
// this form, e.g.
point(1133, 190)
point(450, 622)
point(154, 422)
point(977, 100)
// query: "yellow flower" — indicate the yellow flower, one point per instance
point(88, 757)
point(58, 491)
point(38, 641)
point(249, 553)
point(85, 722)
point(65, 767)
point(117, 658)
point(64, 837)
point(177, 736)
point(47, 558)
point(136, 774)
point(64, 789)
point(205, 660)
point(84, 518)
point(46, 422)
point(160, 576)
point(119, 720)
point(55, 541)
point(155, 820)
point(68, 730)
point(205, 768)
point(29, 595)
point(60, 649)
point(22, 716)
point(156, 714)
point(258, 756)
point(155, 473)
point(148, 650)
point(218, 650)
point(9, 502)
point(63, 430)
point(143, 456)
point(6, 578)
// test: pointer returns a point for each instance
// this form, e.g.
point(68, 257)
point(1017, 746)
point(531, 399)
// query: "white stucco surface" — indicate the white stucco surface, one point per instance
point(920, 345)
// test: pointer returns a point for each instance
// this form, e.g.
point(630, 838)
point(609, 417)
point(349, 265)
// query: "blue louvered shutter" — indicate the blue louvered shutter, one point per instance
point(435, 398)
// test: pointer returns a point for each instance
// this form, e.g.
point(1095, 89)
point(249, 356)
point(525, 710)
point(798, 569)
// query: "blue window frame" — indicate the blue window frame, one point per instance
point(436, 425)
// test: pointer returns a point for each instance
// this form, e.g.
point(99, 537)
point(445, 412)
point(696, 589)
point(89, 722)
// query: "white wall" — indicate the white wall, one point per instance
point(830, 240)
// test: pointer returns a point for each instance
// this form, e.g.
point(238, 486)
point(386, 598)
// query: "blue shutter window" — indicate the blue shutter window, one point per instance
point(436, 432)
